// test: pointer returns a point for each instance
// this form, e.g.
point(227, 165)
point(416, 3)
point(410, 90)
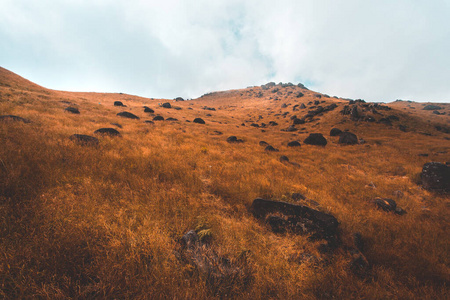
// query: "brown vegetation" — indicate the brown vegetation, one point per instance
point(105, 221)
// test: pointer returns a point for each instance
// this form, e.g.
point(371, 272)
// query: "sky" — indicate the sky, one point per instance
point(374, 50)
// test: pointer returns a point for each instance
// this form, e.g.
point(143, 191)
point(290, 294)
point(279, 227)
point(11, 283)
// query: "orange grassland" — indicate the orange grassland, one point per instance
point(104, 221)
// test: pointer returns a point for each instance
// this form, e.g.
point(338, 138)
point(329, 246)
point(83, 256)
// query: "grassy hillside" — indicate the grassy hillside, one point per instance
point(105, 221)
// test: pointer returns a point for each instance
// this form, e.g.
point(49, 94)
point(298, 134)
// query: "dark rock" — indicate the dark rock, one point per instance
point(234, 139)
point(128, 115)
point(299, 219)
point(335, 132)
point(432, 107)
point(290, 129)
point(393, 118)
point(148, 109)
point(369, 119)
point(72, 110)
point(315, 139)
point(263, 143)
point(297, 197)
point(299, 95)
point(118, 103)
point(158, 118)
point(354, 114)
point(273, 123)
point(284, 158)
point(107, 131)
point(171, 119)
point(199, 121)
point(117, 125)
point(423, 154)
point(299, 121)
point(436, 177)
point(179, 99)
point(277, 224)
point(149, 122)
point(254, 125)
point(385, 121)
point(302, 106)
point(216, 132)
point(402, 128)
point(11, 118)
point(271, 149)
point(348, 138)
point(385, 204)
point(84, 139)
point(293, 144)
point(166, 105)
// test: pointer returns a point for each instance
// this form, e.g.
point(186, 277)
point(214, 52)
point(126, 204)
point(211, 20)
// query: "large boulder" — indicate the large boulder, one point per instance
point(348, 138)
point(283, 216)
point(126, 114)
point(436, 177)
point(315, 139)
point(335, 132)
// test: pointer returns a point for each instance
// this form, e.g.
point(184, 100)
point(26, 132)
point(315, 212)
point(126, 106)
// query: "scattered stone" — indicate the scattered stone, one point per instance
point(119, 103)
point(297, 219)
point(436, 177)
point(284, 158)
point(290, 129)
point(171, 119)
point(179, 99)
point(126, 114)
point(107, 131)
point(263, 143)
point(8, 118)
point(84, 139)
point(271, 149)
point(299, 121)
point(299, 95)
point(148, 110)
point(166, 105)
point(294, 144)
point(158, 118)
point(234, 139)
point(402, 128)
point(335, 132)
point(348, 138)
point(432, 107)
point(423, 154)
point(273, 123)
point(199, 121)
point(388, 205)
point(315, 139)
point(72, 110)
point(149, 122)
point(302, 106)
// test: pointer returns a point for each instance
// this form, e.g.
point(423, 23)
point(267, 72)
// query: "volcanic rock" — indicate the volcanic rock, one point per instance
point(72, 110)
point(199, 121)
point(315, 139)
point(107, 131)
point(348, 138)
point(335, 132)
point(126, 114)
point(294, 144)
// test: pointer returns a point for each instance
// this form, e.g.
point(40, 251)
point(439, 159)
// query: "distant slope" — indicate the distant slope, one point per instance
point(10, 79)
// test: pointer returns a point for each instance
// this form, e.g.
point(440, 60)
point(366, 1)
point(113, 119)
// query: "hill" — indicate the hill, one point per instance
point(152, 208)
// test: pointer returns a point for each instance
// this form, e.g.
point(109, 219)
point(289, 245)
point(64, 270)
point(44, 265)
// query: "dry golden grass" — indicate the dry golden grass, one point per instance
point(104, 221)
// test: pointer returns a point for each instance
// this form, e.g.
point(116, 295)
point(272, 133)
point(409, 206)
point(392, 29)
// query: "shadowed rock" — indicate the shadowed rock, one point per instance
point(107, 131)
point(126, 114)
point(298, 121)
point(118, 103)
point(234, 139)
point(171, 119)
point(199, 121)
point(335, 132)
point(297, 219)
point(388, 205)
point(148, 110)
point(84, 139)
point(432, 107)
point(284, 158)
point(158, 118)
point(271, 149)
point(166, 105)
point(294, 144)
point(72, 110)
point(348, 138)
point(315, 139)
point(436, 177)
point(11, 118)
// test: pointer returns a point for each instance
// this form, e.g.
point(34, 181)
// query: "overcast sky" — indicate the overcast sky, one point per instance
point(375, 50)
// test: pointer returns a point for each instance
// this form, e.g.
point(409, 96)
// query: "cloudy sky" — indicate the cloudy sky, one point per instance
point(378, 51)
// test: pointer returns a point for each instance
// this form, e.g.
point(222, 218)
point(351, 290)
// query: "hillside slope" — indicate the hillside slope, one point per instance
point(107, 216)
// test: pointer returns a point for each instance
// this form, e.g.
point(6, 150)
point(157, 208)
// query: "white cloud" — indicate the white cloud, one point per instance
point(379, 51)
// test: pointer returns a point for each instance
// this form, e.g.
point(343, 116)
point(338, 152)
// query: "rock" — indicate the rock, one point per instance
point(11, 118)
point(234, 139)
point(273, 123)
point(277, 224)
point(271, 149)
point(199, 121)
point(299, 95)
point(72, 110)
point(149, 122)
point(284, 158)
point(299, 121)
point(385, 121)
point(388, 205)
point(128, 115)
point(117, 125)
point(436, 177)
point(263, 143)
point(294, 144)
point(148, 109)
point(107, 131)
point(302, 106)
point(84, 139)
point(158, 118)
point(290, 129)
point(297, 196)
point(254, 125)
point(179, 99)
point(118, 103)
point(315, 139)
point(354, 114)
point(166, 105)
point(432, 107)
point(171, 119)
point(335, 132)
point(298, 219)
point(348, 138)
